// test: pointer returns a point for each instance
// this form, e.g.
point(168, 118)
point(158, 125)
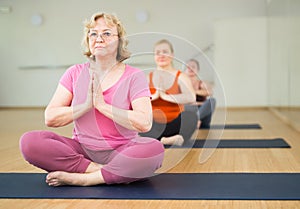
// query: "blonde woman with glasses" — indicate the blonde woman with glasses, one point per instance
point(109, 103)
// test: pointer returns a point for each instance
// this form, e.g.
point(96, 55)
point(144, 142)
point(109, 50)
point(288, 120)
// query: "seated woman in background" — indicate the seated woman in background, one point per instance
point(170, 90)
point(205, 102)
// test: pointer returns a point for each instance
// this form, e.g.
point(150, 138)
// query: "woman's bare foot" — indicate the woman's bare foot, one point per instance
point(173, 140)
point(59, 178)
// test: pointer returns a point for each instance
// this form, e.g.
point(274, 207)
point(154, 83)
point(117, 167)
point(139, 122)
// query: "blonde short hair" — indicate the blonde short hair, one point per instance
point(110, 20)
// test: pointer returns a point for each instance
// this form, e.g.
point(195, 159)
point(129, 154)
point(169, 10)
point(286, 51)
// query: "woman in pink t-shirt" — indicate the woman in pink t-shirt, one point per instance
point(109, 104)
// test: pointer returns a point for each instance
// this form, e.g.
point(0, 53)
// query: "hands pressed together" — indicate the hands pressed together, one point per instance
point(95, 97)
point(95, 94)
point(161, 93)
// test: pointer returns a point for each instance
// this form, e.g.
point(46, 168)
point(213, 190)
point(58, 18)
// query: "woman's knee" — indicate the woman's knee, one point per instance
point(147, 157)
point(128, 169)
point(30, 143)
point(137, 161)
point(26, 141)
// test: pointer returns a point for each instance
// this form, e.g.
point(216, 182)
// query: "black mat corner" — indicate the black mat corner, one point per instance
point(175, 186)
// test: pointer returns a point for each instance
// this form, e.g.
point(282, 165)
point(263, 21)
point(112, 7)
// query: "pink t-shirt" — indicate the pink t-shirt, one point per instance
point(93, 129)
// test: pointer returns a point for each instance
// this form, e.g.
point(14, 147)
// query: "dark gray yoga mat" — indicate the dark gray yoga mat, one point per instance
point(234, 126)
point(235, 143)
point(173, 186)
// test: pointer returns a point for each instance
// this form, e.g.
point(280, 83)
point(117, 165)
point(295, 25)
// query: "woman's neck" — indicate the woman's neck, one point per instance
point(169, 68)
point(105, 64)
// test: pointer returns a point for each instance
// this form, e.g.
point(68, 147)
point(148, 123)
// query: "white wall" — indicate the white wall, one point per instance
point(294, 61)
point(278, 61)
point(57, 41)
point(241, 60)
point(284, 47)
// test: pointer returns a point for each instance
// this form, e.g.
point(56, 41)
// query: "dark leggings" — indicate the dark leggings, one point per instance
point(204, 111)
point(185, 125)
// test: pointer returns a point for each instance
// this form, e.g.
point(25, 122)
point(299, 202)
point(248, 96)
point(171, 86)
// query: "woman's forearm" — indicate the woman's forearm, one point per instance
point(133, 120)
point(203, 92)
point(179, 98)
point(62, 116)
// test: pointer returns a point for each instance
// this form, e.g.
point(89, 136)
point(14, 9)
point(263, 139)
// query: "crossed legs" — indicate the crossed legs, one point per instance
point(67, 163)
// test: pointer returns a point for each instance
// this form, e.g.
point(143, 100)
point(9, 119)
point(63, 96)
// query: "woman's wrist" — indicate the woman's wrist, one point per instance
point(104, 108)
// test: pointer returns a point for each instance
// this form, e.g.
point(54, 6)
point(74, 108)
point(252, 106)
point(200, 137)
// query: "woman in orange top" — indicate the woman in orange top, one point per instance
point(170, 90)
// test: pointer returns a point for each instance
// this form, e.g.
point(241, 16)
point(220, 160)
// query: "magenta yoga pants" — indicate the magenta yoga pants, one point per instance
point(136, 160)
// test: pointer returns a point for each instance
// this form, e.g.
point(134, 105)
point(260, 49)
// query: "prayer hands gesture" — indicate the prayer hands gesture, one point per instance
point(160, 92)
point(95, 95)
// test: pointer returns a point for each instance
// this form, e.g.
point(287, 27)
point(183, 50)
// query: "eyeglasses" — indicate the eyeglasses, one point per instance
point(105, 35)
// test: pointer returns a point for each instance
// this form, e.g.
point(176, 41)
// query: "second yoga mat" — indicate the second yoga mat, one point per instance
point(235, 143)
point(234, 126)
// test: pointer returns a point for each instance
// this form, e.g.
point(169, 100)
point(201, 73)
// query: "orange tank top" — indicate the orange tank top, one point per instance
point(164, 111)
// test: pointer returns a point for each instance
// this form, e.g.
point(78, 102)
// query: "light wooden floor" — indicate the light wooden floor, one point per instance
point(290, 115)
point(14, 122)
